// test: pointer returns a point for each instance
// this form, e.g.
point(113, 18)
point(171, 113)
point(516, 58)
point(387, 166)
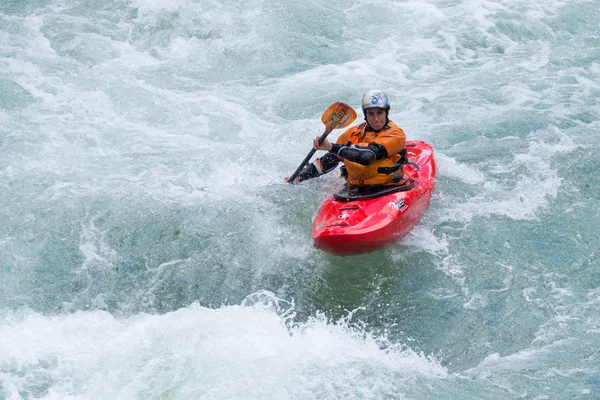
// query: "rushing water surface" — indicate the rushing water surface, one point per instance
point(150, 250)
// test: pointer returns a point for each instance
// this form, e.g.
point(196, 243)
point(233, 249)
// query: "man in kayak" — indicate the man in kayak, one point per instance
point(372, 152)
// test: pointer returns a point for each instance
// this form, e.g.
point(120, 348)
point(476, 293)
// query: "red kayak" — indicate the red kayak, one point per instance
point(350, 223)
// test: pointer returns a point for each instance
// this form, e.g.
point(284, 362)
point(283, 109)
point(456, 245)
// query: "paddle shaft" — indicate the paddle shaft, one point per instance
point(307, 158)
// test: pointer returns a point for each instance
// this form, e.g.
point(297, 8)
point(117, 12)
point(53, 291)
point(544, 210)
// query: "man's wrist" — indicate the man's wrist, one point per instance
point(335, 148)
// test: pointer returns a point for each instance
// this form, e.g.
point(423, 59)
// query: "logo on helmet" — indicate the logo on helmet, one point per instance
point(376, 97)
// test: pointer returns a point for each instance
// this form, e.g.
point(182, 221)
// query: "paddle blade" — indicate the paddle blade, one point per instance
point(338, 115)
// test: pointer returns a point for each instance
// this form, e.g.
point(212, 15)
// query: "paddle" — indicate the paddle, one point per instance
point(338, 115)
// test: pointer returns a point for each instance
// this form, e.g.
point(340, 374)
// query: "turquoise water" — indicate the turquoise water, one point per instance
point(149, 249)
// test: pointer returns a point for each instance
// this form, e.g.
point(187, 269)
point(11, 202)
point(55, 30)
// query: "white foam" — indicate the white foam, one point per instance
point(538, 59)
point(504, 193)
point(255, 351)
point(94, 248)
point(160, 5)
point(449, 167)
point(424, 238)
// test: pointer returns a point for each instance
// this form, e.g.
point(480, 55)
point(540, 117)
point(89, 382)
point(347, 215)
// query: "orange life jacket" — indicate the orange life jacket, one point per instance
point(384, 171)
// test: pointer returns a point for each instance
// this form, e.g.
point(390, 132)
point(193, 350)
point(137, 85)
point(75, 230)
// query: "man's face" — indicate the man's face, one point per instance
point(376, 118)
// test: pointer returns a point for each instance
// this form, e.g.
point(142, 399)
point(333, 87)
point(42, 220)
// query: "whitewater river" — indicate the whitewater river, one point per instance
point(149, 248)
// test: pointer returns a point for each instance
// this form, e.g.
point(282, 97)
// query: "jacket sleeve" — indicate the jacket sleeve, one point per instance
point(320, 166)
point(361, 154)
point(394, 140)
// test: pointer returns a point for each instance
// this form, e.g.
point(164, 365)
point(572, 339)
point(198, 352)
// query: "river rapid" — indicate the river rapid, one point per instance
point(149, 248)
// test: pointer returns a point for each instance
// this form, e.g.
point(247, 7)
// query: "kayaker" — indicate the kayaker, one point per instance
point(372, 151)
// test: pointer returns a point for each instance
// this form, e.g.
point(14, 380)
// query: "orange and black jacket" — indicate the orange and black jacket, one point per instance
point(370, 158)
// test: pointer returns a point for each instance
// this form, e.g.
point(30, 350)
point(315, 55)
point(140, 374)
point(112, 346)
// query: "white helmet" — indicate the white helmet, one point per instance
point(375, 99)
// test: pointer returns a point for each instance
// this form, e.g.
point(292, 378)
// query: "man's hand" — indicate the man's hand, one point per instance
point(325, 145)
